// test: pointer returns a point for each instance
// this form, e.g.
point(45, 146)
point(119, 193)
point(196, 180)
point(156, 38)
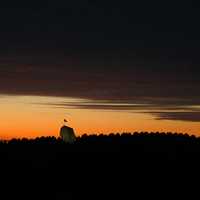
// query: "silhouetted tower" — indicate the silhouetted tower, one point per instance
point(67, 133)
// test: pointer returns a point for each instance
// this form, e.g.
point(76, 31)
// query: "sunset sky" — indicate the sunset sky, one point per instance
point(114, 66)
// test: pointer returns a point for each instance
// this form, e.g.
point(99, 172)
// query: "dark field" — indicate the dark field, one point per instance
point(106, 167)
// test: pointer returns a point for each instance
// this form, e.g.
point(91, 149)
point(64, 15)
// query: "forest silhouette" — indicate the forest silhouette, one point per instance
point(170, 143)
point(48, 168)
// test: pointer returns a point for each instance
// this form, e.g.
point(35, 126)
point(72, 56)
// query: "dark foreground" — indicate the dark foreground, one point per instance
point(101, 167)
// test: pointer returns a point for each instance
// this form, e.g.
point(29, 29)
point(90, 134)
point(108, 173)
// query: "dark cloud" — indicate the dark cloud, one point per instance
point(100, 83)
point(132, 56)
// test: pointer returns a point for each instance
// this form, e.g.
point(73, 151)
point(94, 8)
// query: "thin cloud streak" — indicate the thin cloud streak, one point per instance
point(180, 116)
point(159, 111)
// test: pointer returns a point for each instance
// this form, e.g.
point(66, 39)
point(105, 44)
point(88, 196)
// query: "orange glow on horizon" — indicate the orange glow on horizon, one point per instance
point(27, 116)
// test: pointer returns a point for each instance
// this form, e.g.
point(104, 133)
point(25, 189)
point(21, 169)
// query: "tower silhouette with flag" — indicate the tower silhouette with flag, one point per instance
point(67, 133)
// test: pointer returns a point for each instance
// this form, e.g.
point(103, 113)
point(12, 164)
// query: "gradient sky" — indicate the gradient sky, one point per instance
point(105, 66)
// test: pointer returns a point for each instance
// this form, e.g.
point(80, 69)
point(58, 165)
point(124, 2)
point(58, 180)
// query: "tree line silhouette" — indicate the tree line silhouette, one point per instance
point(117, 141)
point(48, 168)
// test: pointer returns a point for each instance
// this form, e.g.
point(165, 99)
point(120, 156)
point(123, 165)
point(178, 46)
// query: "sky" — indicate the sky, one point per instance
point(116, 66)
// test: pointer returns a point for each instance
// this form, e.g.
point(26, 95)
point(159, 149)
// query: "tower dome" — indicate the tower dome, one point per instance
point(67, 134)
